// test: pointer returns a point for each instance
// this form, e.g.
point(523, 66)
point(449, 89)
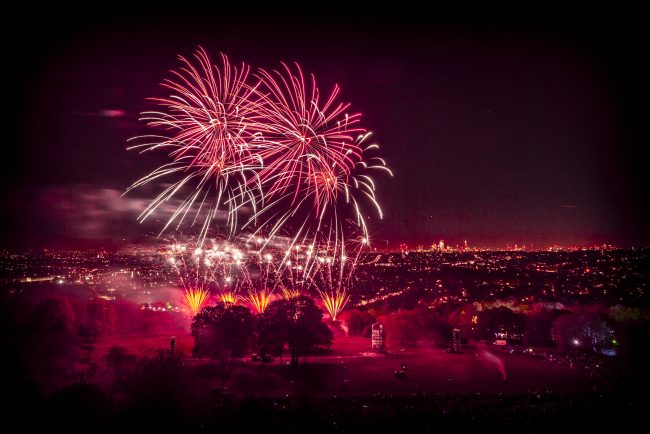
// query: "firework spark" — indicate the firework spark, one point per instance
point(288, 293)
point(260, 299)
point(196, 298)
point(228, 297)
point(333, 277)
point(334, 302)
point(314, 157)
point(229, 269)
point(217, 268)
point(206, 125)
point(307, 140)
point(220, 265)
point(265, 144)
point(299, 166)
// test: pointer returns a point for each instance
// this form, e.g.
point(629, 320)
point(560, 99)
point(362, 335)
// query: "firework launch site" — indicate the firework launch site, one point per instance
point(96, 325)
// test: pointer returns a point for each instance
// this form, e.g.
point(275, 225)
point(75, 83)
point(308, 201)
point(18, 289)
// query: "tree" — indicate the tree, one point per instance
point(500, 320)
point(583, 330)
point(120, 362)
point(416, 326)
point(359, 322)
point(401, 328)
point(79, 407)
point(269, 337)
point(539, 326)
point(298, 322)
point(222, 332)
point(54, 314)
point(157, 394)
point(50, 345)
point(101, 319)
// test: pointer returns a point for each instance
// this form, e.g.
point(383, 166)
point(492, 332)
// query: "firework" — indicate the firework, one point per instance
point(217, 268)
point(334, 302)
point(283, 269)
point(300, 166)
point(227, 269)
point(307, 140)
point(260, 299)
point(196, 298)
point(206, 125)
point(265, 144)
point(288, 293)
point(315, 170)
point(228, 297)
point(333, 277)
point(219, 265)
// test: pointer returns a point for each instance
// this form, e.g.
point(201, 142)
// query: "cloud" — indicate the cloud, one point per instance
point(89, 212)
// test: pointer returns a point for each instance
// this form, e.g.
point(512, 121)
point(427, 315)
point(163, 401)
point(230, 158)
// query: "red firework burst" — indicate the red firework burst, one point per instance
point(208, 123)
point(309, 144)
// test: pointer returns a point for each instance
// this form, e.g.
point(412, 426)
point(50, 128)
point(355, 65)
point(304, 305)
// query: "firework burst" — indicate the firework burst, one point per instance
point(288, 293)
point(218, 268)
point(206, 125)
point(270, 147)
point(316, 169)
point(196, 298)
point(307, 140)
point(267, 145)
point(260, 299)
point(228, 297)
point(334, 302)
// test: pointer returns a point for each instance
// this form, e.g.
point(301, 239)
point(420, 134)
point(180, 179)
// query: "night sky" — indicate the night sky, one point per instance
point(521, 129)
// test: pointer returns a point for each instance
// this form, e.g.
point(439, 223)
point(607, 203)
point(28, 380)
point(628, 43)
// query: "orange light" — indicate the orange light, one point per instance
point(195, 299)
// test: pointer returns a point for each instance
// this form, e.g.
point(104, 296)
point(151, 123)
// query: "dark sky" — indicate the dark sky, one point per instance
point(516, 129)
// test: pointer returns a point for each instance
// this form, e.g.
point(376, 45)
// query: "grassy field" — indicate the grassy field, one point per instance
point(351, 368)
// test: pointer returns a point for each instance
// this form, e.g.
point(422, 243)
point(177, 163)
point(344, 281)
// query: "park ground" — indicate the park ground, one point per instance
point(350, 367)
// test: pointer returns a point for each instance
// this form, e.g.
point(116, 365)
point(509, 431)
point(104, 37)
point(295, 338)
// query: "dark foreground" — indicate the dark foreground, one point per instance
point(170, 392)
point(84, 408)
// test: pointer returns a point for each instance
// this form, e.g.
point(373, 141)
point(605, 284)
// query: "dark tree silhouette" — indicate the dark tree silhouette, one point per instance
point(156, 395)
point(359, 322)
point(101, 319)
point(223, 332)
point(49, 344)
point(79, 407)
point(119, 362)
point(583, 331)
point(269, 337)
point(298, 322)
point(500, 319)
point(539, 327)
point(416, 326)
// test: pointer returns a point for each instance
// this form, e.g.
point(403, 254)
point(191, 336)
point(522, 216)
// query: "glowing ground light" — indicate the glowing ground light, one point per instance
point(334, 302)
point(195, 299)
